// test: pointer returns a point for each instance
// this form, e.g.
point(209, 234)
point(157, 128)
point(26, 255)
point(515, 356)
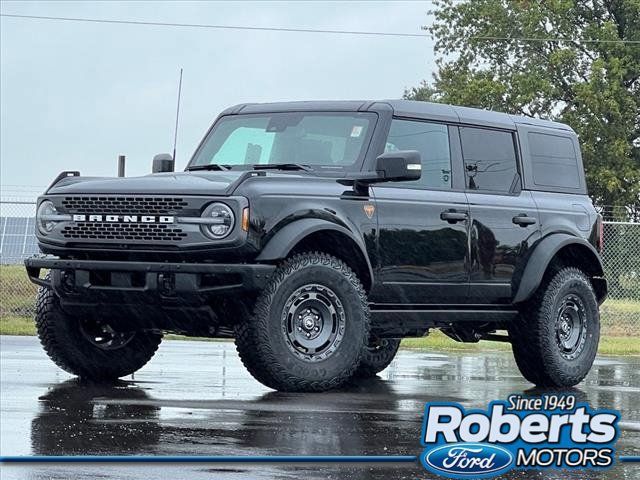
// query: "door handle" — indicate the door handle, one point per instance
point(523, 220)
point(452, 216)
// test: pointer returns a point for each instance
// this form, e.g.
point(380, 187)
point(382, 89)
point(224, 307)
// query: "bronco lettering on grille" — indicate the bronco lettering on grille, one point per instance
point(124, 218)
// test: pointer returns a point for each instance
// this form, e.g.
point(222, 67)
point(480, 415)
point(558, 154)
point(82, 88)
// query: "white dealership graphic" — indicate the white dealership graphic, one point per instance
point(549, 431)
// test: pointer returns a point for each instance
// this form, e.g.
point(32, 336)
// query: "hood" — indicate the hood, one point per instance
point(175, 183)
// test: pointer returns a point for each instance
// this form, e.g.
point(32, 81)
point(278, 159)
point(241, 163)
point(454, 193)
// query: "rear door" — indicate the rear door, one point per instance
point(423, 225)
point(504, 218)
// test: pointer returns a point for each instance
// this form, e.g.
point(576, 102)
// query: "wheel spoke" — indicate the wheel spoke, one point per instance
point(313, 322)
point(103, 335)
point(571, 326)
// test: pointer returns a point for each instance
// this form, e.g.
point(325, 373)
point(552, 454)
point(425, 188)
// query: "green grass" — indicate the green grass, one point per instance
point(17, 326)
point(620, 316)
point(440, 342)
point(12, 325)
point(436, 341)
point(17, 296)
point(17, 293)
point(619, 346)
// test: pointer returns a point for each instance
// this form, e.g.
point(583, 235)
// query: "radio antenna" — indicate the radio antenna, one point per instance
point(175, 133)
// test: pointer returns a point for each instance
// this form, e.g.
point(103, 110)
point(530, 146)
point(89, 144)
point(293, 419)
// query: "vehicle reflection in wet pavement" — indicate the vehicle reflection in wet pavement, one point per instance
point(195, 398)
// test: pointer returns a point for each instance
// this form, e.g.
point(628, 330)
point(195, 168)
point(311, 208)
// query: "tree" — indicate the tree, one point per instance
point(573, 61)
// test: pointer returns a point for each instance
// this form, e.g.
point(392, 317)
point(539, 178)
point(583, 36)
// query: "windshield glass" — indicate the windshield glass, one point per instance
point(314, 139)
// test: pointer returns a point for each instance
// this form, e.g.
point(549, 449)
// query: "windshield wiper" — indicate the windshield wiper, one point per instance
point(257, 166)
point(282, 166)
point(212, 166)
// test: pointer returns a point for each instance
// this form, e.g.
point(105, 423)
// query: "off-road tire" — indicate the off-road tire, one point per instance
point(61, 336)
point(262, 342)
point(377, 356)
point(534, 335)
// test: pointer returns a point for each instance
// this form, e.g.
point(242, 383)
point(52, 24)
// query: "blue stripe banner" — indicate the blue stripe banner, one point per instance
point(209, 459)
point(229, 459)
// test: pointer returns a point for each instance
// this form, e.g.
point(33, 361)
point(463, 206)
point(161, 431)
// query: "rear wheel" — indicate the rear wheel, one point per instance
point(555, 340)
point(309, 326)
point(377, 356)
point(87, 348)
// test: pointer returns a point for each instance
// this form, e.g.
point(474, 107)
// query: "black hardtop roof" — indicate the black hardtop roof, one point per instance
point(403, 108)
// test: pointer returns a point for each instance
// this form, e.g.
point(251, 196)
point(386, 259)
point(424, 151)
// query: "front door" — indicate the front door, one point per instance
point(423, 240)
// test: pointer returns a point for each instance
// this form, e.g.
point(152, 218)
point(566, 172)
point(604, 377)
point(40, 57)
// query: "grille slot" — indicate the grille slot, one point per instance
point(123, 231)
point(126, 205)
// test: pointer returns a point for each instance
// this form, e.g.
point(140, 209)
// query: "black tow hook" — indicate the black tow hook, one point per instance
point(68, 281)
point(167, 284)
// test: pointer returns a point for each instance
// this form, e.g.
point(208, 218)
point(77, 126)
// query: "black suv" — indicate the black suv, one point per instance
point(318, 234)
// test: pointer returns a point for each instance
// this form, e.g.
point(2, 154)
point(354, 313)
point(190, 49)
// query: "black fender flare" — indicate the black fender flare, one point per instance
point(281, 244)
point(540, 258)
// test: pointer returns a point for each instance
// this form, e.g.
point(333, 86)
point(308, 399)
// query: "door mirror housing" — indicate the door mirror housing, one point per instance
point(399, 166)
point(163, 162)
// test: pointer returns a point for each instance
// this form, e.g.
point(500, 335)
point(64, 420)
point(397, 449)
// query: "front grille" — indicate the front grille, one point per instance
point(123, 231)
point(126, 205)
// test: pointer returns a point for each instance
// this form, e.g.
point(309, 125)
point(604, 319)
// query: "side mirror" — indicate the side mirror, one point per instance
point(399, 166)
point(163, 162)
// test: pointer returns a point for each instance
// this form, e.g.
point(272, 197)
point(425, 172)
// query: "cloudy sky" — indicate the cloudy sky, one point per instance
point(75, 95)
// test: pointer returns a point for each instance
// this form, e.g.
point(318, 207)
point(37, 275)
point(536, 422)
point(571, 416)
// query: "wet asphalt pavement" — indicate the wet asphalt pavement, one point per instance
point(195, 398)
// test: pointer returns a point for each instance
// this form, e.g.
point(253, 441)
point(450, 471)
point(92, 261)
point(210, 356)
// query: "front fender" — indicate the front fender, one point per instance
point(281, 244)
point(540, 258)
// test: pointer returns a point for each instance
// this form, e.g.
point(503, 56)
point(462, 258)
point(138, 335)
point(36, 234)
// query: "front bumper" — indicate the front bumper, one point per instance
point(148, 282)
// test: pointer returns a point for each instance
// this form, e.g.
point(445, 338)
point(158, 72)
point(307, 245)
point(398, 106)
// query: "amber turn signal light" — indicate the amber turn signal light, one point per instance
point(245, 219)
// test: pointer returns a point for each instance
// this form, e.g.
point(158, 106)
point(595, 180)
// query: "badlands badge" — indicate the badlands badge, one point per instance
point(369, 209)
point(549, 431)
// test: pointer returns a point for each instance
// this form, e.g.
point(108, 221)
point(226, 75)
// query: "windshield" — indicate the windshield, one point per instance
point(303, 138)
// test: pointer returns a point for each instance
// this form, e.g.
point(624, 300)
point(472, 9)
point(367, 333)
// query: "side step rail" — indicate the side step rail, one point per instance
point(400, 323)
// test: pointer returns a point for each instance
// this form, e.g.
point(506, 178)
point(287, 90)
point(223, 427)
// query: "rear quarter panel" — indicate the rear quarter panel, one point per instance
point(566, 213)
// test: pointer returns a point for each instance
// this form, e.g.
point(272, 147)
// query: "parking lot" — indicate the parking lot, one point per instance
point(195, 398)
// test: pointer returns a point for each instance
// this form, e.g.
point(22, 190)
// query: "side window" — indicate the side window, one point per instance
point(554, 161)
point(432, 141)
point(489, 159)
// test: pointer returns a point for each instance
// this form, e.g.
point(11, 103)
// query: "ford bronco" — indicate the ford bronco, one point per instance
point(319, 234)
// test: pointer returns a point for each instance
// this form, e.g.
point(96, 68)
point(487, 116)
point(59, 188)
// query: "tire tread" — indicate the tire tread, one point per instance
point(532, 332)
point(86, 360)
point(252, 340)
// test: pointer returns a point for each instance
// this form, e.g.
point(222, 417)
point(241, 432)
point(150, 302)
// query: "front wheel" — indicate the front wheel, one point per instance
point(309, 326)
point(90, 349)
point(555, 340)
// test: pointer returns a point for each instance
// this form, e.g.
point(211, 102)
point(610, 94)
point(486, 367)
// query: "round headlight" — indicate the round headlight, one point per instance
point(219, 220)
point(45, 210)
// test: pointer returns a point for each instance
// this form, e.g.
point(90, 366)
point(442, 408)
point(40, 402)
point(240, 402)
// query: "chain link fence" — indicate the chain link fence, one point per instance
point(621, 257)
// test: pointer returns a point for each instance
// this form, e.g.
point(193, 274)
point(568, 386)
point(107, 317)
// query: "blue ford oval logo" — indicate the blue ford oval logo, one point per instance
point(467, 460)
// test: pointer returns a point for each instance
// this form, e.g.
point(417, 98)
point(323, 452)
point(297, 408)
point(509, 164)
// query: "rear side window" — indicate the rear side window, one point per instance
point(554, 161)
point(432, 141)
point(489, 159)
